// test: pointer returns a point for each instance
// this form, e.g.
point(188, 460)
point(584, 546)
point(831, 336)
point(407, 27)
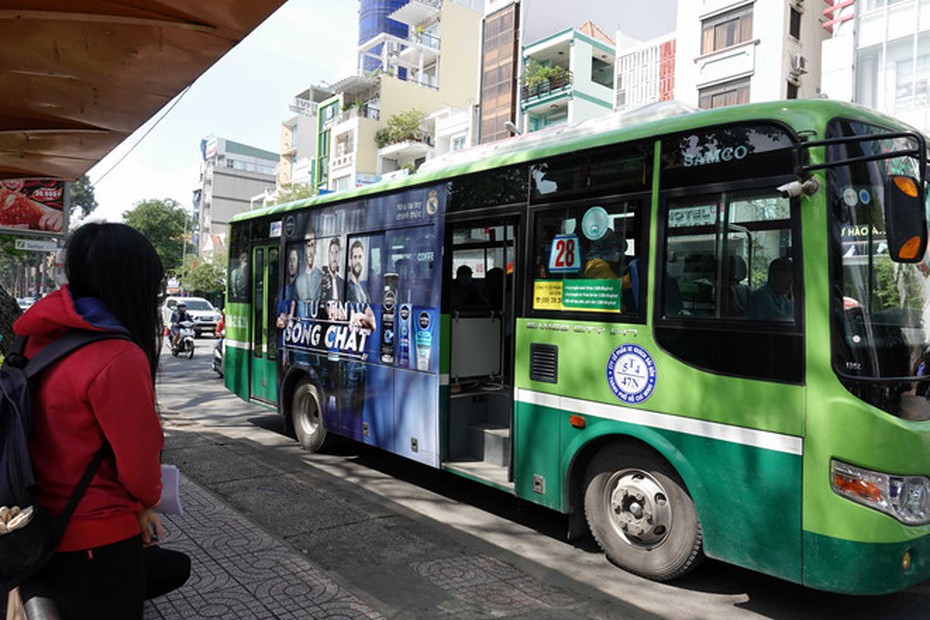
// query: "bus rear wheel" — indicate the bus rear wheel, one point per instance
point(641, 514)
point(307, 417)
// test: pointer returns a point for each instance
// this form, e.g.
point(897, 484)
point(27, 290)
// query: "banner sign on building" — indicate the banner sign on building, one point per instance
point(32, 204)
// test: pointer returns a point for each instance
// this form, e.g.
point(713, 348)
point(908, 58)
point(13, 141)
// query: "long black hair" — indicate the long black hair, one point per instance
point(117, 265)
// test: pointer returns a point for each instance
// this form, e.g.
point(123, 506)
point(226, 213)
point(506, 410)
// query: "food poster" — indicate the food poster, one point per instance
point(33, 204)
point(361, 311)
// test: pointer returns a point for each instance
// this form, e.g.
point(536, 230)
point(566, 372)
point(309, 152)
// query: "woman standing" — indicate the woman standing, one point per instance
point(102, 394)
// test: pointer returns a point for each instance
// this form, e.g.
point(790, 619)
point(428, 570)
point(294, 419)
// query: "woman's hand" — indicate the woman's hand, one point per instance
point(150, 524)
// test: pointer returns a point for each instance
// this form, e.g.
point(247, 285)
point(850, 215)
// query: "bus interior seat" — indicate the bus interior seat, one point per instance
point(476, 348)
point(672, 294)
point(739, 290)
point(700, 274)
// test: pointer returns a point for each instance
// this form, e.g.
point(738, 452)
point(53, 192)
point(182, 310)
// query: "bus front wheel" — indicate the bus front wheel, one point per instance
point(306, 417)
point(640, 513)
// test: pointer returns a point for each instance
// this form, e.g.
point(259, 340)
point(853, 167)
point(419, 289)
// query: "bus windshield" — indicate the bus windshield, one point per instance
point(881, 308)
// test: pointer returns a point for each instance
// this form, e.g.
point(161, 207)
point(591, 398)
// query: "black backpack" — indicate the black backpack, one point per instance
point(25, 549)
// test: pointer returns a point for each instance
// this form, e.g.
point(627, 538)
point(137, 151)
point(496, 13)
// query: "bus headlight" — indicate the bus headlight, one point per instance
point(906, 498)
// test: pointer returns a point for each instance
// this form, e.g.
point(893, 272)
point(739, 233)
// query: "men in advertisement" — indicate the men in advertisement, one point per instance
point(332, 283)
point(357, 292)
point(361, 317)
point(288, 295)
point(307, 285)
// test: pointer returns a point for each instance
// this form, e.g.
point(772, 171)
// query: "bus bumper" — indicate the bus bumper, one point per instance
point(853, 567)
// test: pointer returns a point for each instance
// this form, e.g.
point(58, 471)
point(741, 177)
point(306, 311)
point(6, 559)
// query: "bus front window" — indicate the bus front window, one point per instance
point(880, 308)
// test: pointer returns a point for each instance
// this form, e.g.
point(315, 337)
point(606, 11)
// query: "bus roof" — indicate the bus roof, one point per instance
point(649, 121)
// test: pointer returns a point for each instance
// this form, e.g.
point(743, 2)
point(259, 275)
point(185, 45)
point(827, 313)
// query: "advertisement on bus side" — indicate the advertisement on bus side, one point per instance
point(360, 310)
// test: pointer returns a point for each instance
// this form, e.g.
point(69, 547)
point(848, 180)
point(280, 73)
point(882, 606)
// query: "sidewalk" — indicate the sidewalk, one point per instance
point(240, 571)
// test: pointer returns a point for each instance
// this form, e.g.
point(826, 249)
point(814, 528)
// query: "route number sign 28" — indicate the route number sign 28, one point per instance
point(565, 254)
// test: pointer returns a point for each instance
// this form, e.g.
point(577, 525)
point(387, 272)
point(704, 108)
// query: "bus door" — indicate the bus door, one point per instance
point(263, 365)
point(481, 304)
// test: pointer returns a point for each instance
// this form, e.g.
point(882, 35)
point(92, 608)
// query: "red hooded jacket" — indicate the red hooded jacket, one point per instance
point(101, 391)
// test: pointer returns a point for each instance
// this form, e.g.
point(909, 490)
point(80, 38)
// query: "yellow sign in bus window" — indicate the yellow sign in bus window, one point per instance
point(579, 295)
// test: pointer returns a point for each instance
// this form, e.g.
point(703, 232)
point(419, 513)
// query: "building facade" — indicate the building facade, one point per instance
point(878, 55)
point(567, 77)
point(732, 52)
point(513, 29)
point(645, 73)
point(374, 18)
point(433, 68)
point(298, 138)
point(231, 174)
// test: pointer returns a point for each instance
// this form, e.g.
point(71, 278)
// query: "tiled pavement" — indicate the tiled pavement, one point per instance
point(240, 571)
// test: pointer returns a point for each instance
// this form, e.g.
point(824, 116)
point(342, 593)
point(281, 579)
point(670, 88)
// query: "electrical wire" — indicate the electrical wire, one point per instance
point(176, 101)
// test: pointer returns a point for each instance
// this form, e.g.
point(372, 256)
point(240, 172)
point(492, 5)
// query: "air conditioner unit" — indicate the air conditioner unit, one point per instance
point(798, 63)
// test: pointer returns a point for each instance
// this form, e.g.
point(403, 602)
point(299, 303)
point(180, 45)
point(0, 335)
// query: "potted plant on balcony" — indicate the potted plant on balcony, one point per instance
point(539, 77)
point(401, 127)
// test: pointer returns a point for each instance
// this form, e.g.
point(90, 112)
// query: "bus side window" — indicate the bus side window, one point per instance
point(717, 308)
point(590, 241)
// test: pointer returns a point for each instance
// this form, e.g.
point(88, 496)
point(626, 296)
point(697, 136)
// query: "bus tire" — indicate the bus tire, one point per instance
point(641, 514)
point(307, 417)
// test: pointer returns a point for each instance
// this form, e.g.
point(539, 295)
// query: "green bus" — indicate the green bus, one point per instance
point(697, 334)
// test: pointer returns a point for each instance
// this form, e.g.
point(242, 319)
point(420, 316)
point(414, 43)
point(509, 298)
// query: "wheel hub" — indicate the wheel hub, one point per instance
point(640, 509)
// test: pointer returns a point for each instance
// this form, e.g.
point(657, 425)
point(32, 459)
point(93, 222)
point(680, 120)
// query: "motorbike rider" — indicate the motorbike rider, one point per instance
point(177, 316)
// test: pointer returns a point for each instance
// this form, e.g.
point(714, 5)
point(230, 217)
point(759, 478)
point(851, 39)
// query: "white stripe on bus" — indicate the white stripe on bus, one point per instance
point(767, 440)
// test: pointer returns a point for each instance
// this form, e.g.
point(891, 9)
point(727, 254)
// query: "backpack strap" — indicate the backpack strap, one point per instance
point(81, 487)
point(63, 345)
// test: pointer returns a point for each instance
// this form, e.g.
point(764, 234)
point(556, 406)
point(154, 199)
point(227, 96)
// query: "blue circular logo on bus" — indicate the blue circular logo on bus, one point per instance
point(631, 373)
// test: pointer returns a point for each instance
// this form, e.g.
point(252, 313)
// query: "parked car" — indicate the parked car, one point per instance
point(202, 311)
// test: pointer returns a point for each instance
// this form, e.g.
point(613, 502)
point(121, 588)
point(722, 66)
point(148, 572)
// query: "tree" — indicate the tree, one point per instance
point(83, 201)
point(292, 192)
point(203, 277)
point(164, 222)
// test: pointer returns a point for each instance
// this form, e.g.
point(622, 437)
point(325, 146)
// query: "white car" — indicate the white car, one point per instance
point(202, 311)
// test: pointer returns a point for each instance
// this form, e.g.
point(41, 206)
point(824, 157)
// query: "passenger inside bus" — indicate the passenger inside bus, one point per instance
point(772, 301)
point(607, 260)
point(465, 293)
point(739, 291)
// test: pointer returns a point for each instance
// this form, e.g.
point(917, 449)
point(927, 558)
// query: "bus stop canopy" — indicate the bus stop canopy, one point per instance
point(78, 76)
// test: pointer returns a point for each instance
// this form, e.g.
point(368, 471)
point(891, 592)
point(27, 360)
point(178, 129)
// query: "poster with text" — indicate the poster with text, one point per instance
point(33, 204)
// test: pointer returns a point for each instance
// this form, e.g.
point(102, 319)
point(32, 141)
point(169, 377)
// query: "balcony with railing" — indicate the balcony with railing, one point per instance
point(362, 111)
point(416, 12)
point(534, 89)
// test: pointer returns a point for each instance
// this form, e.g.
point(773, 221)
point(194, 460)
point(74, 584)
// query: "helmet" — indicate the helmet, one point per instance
point(181, 305)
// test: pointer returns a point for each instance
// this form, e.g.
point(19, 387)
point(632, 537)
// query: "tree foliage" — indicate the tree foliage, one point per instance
point(292, 192)
point(165, 223)
point(537, 74)
point(204, 277)
point(407, 125)
point(83, 201)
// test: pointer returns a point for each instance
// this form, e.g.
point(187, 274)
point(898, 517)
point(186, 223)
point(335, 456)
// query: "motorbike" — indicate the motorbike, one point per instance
point(185, 340)
point(218, 351)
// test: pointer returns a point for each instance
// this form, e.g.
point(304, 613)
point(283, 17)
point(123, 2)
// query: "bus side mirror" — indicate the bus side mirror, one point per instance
point(905, 219)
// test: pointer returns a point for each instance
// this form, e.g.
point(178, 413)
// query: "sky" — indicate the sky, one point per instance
point(245, 96)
